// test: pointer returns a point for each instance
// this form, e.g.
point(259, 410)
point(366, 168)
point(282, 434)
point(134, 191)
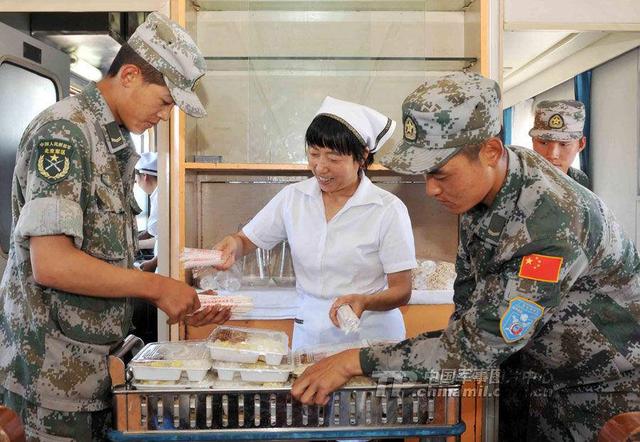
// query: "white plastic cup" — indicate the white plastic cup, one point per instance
point(347, 319)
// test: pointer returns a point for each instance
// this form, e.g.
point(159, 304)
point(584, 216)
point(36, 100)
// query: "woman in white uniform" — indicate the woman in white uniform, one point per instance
point(351, 241)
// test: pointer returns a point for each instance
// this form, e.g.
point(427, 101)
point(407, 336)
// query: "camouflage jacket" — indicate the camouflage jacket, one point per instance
point(545, 271)
point(579, 176)
point(74, 176)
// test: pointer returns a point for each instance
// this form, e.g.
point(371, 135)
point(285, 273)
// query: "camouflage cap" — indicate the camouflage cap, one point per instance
point(560, 120)
point(168, 48)
point(442, 116)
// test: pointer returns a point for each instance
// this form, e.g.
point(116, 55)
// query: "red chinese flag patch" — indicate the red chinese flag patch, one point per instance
point(541, 268)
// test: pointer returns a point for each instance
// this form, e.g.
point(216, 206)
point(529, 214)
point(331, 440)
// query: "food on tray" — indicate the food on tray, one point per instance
point(231, 336)
point(433, 275)
point(167, 361)
point(253, 372)
point(247, 345)
point(257, 343)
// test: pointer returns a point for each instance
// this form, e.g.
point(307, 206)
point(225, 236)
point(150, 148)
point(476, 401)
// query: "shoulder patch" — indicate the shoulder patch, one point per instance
point(521, 315)
point(54, 160)
point(541, 267)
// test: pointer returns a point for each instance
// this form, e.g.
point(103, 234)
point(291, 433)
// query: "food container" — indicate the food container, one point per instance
point(166, 361)
point(257, 372)
point(182, 383)
point(247, 345)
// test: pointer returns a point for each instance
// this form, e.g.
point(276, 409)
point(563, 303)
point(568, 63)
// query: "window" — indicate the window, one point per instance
point(23, 95)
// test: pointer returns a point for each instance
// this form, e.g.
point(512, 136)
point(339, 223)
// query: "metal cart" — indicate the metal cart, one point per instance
point(430, 412)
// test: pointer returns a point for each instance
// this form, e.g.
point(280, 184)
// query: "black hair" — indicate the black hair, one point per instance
point(126, 55)
point(472, 151)
point(325, 131)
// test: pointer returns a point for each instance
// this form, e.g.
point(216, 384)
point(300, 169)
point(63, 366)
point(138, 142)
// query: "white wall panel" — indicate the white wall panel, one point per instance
point(615, 136)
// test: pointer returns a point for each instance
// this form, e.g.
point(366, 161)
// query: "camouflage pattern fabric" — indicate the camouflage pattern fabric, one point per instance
point(42, 424)
point(74, 176)
point(560, 120)
point(168, 47)
point(443, 115)
point(585, 338)
point(580, 177)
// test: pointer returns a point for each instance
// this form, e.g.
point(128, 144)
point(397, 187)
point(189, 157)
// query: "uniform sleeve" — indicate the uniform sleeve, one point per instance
point(267, 228)
point(397, 247)
point(507, 310)
point(56, 183)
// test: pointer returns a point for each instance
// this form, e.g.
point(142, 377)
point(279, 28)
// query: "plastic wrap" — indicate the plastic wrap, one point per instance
point(167, 361)
point(247, 345)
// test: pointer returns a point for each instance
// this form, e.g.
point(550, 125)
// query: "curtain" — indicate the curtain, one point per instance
point(582, 89)
point(507, 125)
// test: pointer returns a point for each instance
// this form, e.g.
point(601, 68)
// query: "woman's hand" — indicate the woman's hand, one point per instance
point(230, 247)
point(233, 247)
point(358, 304)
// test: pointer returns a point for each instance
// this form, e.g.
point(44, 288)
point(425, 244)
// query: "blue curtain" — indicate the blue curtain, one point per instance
point(507, 125)
point(582, 89)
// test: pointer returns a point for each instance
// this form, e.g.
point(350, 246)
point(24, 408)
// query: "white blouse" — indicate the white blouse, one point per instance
point(368, 238)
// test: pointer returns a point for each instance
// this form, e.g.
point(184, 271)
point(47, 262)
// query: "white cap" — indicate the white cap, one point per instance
point(369, 126)
point(148, 163)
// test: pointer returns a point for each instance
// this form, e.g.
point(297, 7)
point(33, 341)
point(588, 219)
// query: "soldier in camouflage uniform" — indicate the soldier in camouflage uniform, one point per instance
point(544, 272)
point(557, 135)
point(65, 297)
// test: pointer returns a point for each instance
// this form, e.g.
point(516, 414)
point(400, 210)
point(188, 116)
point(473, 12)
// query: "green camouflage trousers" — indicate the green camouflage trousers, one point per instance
point(532, 413)
point(44, 425)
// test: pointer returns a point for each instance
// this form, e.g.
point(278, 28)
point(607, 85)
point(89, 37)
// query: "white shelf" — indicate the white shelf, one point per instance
point(332, 5)
point(324, 64)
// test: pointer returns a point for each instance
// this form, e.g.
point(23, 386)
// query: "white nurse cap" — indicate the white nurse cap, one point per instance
point(148, 163)
point(369, 126)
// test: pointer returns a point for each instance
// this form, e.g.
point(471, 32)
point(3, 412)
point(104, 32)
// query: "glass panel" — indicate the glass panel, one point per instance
point(271, 63)
point(23, 95)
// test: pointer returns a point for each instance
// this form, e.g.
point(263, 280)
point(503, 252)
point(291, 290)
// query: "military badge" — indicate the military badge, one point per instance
point(410, 129)
point(541, 268)
point(520, 317)
point(196, 82)
point(54, 160)
point(556, 121)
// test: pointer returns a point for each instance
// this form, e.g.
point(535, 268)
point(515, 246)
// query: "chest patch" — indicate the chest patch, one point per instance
point(519, 318)
point(54, 160)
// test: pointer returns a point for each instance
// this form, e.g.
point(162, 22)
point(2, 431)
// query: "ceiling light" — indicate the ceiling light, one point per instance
point(86, 70)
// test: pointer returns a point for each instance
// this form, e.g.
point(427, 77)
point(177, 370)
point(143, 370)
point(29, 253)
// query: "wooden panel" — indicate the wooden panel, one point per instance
point(423, 318)
point(191, 211)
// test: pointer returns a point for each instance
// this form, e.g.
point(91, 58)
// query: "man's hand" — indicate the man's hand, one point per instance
point(358, 304)
point(325, 377)
point(149, 265)
point(176, 299)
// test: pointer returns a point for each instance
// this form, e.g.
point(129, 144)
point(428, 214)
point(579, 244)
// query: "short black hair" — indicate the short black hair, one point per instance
point(325, 131)
point(472, 151)
point(126, 55)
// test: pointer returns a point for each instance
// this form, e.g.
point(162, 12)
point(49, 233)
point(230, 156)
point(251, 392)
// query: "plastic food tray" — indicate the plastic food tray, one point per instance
point(247, 345)
point(183, 383)
point(166, 361)
point(258, 372)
